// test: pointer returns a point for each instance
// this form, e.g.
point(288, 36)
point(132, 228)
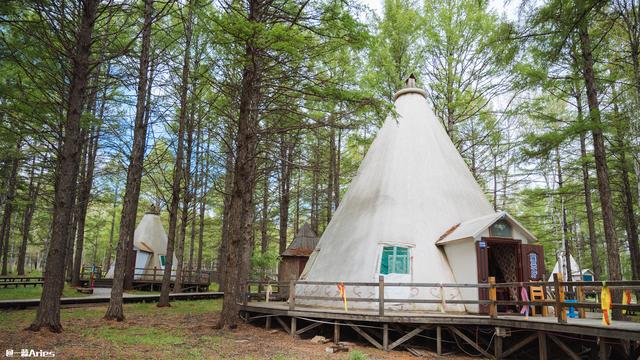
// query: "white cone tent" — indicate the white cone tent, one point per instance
point(150, 244)
point(577, 273)
point(411, 187)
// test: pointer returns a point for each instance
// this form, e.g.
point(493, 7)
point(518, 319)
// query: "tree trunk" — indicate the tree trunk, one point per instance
point(134, 172)
point(48, 313)
point(5, 230)
point(107, 264)
point(177, 169)
point(315, 194)
point(565, 226)
point(228, 188)
point(33, 193)
point(627, 196)
point(203, 201)
point(240, 212)
point(264, 213)
point(196, 186)
point(336, 172)
point(613, 247)
point(87, 180)
point(184, 218)
point(286, 168)
point(586, 184)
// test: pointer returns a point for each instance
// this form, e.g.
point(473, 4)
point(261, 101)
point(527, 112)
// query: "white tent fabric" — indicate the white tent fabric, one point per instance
point(150, 243)
point(411, 187)
point(560, 267)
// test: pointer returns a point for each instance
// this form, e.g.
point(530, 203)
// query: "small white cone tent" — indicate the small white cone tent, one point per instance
point(150, 244)
point(411, 187)
point(577, 273)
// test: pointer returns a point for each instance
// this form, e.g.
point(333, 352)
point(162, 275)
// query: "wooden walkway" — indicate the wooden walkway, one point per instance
point(127, 298)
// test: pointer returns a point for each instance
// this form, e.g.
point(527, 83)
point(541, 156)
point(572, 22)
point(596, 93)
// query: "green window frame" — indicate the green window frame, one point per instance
point(163, 260)
point(394, 260)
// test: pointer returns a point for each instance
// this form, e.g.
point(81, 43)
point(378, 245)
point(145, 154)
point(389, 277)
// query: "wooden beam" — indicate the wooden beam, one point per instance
point(308, 327)
point(542, 345)
point(603, 352)
point(497, 347)
point(385, 336)
point(520, 344)
point(294, 326)
point(368, 337)
point(567, 350)
point(406, 337)
point(381, 295)
point(471, 342)
point(284, 325)
point(336, 332)
point(439, 340)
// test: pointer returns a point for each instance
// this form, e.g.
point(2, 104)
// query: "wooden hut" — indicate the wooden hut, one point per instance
point(295, 257)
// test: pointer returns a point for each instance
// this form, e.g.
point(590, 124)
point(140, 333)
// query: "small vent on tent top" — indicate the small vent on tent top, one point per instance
point(410, 88)
point(153, 209)
point(410, 82)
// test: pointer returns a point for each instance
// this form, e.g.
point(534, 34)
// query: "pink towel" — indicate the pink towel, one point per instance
point(525, 297)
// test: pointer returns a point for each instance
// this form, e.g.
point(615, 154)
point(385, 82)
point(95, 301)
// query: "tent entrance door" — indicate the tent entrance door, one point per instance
point(500, 258)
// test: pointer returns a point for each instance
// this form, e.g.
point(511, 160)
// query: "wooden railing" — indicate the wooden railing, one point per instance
point(555, 290)
point(154, 274)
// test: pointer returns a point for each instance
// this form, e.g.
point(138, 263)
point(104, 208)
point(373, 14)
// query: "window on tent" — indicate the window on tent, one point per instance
point(163, 261)
point(395, 260)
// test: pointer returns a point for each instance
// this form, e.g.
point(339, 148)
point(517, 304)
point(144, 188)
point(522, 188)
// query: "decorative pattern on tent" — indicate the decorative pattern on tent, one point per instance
point(505, 257)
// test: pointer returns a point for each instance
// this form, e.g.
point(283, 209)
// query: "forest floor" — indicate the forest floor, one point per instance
point(182, 331)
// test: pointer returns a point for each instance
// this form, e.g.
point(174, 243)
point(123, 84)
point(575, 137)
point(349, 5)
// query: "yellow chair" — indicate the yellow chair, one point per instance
point(536, 293)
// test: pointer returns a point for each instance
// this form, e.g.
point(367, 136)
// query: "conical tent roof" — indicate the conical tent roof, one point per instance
point(150, 235)
point(303, 242)
point(560, 267)
point(411, 187)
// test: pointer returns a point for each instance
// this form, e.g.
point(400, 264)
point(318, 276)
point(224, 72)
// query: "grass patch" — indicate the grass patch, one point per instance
point(34, 293)
point(357, 355)
point(137, 335)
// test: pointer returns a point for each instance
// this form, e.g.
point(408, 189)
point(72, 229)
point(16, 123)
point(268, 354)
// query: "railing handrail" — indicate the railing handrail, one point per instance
point(557, 289)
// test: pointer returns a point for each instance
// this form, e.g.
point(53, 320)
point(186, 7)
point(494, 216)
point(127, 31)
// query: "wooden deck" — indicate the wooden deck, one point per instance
point(589, 326)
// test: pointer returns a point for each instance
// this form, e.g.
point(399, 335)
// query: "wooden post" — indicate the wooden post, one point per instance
point(381, 295)
point(268, 323)
point(542, 345)
point(293, 326)
point(443, 302)
point(439, 340)
point(580, 297)
point(292, 294)
point(560, 314)
point(493, 307)
point(336, 332)
point(154, 272)
point(498, 346)
point(603, 350)
point(385, 336)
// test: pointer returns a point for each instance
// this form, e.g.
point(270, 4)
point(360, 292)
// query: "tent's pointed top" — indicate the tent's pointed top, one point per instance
point(410, 87)
point(153, 209)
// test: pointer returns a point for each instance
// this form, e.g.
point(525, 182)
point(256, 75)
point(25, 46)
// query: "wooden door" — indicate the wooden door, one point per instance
point(482, 257)
point(532, 262)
